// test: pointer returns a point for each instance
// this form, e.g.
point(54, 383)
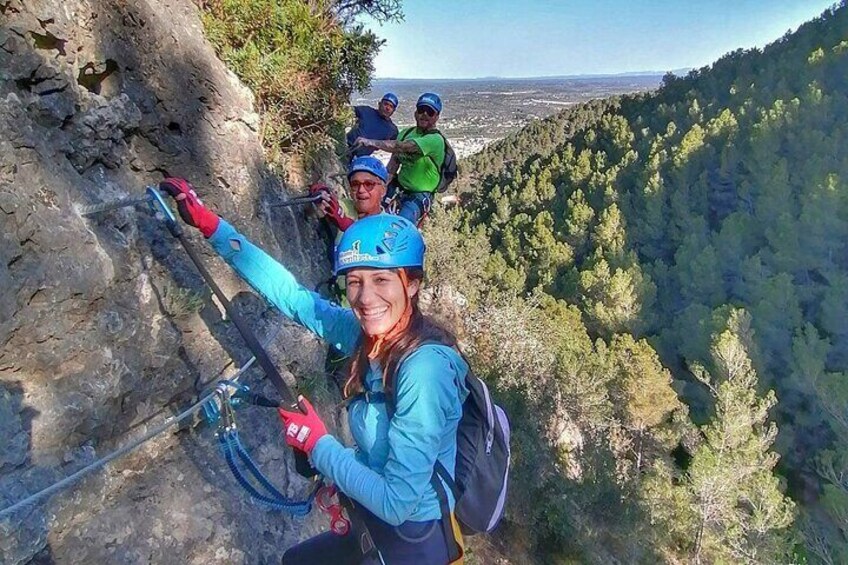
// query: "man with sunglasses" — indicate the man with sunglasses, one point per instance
point(374, 123)
point(417, 157)
point(367, 178)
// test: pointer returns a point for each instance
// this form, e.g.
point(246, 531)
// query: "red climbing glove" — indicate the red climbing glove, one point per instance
point(336, 214)
point(303, 429)
point(330, 206)
point(191, 209)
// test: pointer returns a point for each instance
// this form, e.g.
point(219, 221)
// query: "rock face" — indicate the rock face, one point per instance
point(105, 326)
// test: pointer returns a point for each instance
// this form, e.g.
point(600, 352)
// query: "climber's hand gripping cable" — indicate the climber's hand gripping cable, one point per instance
point(328, 205)
point(191, 209)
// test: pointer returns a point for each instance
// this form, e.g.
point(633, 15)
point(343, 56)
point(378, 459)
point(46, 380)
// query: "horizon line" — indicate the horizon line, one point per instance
point(530, 77)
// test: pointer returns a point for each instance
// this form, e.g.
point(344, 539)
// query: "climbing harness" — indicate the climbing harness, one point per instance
point(220, 409)
point(393, 202)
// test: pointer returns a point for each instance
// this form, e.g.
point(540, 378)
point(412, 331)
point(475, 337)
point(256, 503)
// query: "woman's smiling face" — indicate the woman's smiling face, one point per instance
point(378, 298)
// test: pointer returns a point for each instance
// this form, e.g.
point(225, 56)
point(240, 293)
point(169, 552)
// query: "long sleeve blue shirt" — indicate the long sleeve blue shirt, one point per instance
point(389, 472)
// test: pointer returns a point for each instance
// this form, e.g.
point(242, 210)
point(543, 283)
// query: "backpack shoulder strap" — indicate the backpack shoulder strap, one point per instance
point(440, 471)
point(444, 139)
point(444, 158)
point(391, 397)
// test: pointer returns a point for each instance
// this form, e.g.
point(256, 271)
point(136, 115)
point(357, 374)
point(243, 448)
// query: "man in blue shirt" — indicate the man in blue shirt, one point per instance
point(373, 123)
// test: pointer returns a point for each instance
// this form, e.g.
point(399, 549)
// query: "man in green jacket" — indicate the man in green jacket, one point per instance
point(417, 157)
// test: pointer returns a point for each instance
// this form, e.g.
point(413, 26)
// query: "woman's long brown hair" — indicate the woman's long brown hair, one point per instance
point(421, 330)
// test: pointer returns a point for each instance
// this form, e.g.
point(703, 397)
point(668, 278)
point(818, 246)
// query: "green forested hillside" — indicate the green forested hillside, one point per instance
point(667, 288)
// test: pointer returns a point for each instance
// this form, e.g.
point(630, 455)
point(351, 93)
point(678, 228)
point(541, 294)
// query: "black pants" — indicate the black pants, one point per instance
point(411, 543)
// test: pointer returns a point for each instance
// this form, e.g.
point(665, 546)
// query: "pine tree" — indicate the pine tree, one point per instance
point(828, 541)
point(832, 466)
point(579, 216)
point(643, 399)
point(610, 236)
point(742, 514)
point(617, 301)
point(548, 254)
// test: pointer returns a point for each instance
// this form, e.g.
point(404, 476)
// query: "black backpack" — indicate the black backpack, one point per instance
point(482, 461)
point(449, 168)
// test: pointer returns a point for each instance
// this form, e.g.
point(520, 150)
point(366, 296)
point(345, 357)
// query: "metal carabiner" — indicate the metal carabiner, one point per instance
point(339, 524)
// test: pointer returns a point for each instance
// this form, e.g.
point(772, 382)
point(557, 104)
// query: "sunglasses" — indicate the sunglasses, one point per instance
point(426, 110)
point(368, 185)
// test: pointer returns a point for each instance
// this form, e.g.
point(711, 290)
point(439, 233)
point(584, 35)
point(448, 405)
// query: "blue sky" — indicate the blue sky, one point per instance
point(476, 38)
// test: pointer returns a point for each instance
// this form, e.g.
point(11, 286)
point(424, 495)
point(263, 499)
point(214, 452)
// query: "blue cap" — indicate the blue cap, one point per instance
point(391, 97)
point(430, 99)
point(369, 165)
point(382, 241)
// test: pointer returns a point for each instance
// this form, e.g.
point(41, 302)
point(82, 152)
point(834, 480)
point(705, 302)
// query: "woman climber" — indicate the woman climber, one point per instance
point(397, 354)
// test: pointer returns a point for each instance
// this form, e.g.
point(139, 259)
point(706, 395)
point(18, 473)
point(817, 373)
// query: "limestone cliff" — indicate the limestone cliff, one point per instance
point(99, 334)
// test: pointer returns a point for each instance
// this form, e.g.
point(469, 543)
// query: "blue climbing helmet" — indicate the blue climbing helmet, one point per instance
point(382, 241)
point(430, 99)
point(368, 164)
point(390, 97)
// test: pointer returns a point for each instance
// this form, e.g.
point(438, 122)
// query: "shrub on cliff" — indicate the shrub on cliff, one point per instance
point(301, 59)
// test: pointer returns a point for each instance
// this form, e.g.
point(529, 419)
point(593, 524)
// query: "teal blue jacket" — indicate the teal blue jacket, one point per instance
point(389, 471)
